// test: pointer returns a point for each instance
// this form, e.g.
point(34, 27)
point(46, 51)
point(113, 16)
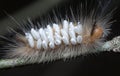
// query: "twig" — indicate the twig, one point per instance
point(11, 63)
point(114, 45)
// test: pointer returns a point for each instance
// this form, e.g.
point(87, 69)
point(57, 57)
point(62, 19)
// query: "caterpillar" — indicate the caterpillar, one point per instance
point(76, 31)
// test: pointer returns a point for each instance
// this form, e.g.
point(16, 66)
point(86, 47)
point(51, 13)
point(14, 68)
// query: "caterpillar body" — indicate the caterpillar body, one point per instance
point(66, 36)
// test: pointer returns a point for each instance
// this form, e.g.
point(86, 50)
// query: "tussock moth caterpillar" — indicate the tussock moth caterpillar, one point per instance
point(77, 30)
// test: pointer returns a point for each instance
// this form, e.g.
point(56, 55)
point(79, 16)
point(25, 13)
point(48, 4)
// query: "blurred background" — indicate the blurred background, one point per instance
point(104, 63)
point(20, 10)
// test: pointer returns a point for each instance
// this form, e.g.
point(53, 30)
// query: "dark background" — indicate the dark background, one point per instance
point(104, 63)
